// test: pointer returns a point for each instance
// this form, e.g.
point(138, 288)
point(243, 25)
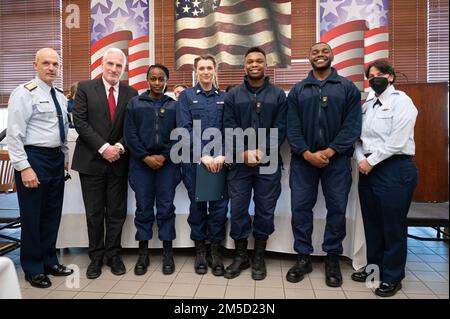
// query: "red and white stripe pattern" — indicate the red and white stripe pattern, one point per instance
point(138, 62)
point(348, 43)
point(376, 47)
point(118, 40)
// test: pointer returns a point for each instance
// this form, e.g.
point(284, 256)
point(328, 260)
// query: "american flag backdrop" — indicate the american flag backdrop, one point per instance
point(227, 28)
point(357, 30)
point(122, 24)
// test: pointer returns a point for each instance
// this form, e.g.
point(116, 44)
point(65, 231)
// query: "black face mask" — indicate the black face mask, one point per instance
point(378, 84)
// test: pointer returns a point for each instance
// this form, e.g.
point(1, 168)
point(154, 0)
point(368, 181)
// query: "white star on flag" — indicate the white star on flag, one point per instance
point(120, 22)
point(143, 24)
point(99, 18)
point(331, 9)
point(353, 10)
point(139, 10)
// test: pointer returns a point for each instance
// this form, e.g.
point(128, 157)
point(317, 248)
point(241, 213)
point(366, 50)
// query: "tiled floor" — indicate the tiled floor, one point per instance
point(427, 277)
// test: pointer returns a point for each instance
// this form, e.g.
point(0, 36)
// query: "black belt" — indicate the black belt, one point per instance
point(43, 149)
point(398, 156)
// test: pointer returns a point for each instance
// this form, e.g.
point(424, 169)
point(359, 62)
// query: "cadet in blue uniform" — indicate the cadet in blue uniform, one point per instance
point(204, 102)
point(388, 176)
point(36, 138)
point(254, 104)
point(324, 121)
point(149, 120)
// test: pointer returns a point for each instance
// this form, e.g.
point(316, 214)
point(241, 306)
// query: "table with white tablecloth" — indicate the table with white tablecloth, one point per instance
point(73, 229)
point(9, 283)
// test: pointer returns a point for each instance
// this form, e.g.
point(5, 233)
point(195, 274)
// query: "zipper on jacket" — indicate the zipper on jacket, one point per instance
point(320, 117)
point(156, 129)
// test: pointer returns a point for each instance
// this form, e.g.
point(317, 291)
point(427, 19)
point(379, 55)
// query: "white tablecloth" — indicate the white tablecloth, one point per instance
point(9, 284)
point(73, 231)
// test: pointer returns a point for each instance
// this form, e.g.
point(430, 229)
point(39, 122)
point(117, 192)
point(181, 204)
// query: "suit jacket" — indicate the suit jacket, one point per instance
point(91, 118)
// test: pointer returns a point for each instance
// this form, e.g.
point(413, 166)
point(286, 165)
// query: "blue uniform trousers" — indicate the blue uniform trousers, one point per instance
point(266, 191)
point(385, 196)
point(148, 185)
point(336, 180)
point(204, 226)
point(40, 209)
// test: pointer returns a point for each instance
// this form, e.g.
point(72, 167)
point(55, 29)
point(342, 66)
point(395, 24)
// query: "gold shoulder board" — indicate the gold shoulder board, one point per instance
point(30, 86)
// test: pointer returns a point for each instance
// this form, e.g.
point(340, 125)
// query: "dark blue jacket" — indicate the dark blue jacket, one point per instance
point(147, 126)
point(324, 114)
point(196, 104)
point(265, 108)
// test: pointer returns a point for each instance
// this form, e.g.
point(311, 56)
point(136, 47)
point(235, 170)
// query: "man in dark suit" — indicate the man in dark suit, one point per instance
point(101, 160)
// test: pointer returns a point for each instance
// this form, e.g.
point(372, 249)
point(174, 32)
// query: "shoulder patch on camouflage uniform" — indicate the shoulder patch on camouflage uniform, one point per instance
point(30, 86)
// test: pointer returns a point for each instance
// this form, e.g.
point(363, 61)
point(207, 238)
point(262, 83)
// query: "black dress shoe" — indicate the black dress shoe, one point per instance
point(333, 276)
point(39, 281)
point(302, 266)
point(388, 290)
point(58, 270)
point(94, 269)
point(116, 264)
point(360, 276)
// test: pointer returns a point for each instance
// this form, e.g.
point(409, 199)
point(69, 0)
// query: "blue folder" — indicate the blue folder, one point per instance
point(208, 185)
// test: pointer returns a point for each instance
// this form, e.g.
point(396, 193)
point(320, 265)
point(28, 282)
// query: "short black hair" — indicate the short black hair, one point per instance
point(255, 49)
point(321, 42)
point(384, 66)
point(158, 66)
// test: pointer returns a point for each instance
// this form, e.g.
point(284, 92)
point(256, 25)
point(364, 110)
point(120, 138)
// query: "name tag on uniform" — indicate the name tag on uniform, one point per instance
point(44, 101)
point(195, 101)
point(220, 102)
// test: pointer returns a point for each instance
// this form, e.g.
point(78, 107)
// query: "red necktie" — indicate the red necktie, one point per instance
point(112, 104)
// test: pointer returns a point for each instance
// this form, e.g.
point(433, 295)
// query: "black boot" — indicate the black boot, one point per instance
point(201, 265)
point(259, 270)
point(240, 261)
point(333, 276)
point(302, 266)
point(215, 260)
point(168, 265)
point(143, 260)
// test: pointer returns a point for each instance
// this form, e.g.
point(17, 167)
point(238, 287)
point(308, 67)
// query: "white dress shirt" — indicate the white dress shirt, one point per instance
point(116, 97)
point(108, 86)
point(387, 129)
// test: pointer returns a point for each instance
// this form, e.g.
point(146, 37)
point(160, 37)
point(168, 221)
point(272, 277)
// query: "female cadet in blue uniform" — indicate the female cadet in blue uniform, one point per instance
point(388, 176)
point(204, 102)
point(149, 120)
